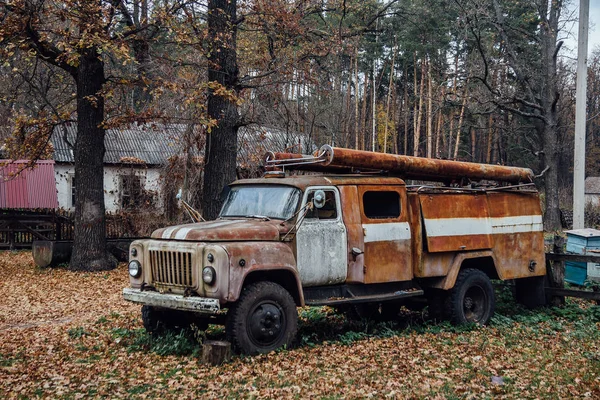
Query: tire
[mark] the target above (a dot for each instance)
(263, 319)
(471, 300)
(531, 292)
(160, 320)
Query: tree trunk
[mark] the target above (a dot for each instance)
(440, 122)
(549, 101)
(89, 244)
(365, 117)
(417, 138)
(221, 142)
(429, 113)
(460, 120)
(389, 99)
(356, 99)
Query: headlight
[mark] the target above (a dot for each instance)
(135, 268)
(208, 275)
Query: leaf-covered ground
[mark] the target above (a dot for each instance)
(70, 335)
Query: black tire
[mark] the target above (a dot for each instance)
(160, 320)
(471, 300)
(263, 319)
(531, 292)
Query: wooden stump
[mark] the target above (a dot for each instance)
(216, 352)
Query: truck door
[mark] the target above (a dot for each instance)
(387, 234)
(321, 248)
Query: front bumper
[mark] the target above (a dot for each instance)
(201, 305)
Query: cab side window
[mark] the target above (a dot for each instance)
(328, 211)
(381, 204)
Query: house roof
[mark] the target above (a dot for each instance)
(152, 144)
(592, 185)
(155, 143)
(31, 188)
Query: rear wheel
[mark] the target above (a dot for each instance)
(472, 298)
(263, 319)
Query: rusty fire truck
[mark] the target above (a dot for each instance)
(350, 234)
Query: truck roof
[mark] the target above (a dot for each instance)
(304, 181)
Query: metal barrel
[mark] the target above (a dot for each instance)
(422, 168)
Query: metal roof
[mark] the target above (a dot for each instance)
(31, 188)
(152, 144)
(155, 143)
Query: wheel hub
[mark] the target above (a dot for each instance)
(474, 304)
(265, 323)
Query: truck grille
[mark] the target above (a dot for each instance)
(173, 268)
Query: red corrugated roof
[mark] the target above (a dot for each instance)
(32, 188)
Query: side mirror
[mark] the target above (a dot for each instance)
(319, 199)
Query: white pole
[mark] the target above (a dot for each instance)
(580, 116)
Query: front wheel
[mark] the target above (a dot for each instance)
(472, 298)
(263, 319)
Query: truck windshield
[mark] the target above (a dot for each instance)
(277, 202)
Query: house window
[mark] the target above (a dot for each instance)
(381, 205)
(328, 211)
(73, 191)
(131, 191)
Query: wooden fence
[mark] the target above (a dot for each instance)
(18, 229)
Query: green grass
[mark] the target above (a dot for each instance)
(77, 333)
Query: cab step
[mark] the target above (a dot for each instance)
(355, 294)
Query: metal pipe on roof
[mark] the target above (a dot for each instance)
(410, 167)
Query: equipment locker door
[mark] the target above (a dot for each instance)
(387, 234)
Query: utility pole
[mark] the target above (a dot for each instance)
(580, 116)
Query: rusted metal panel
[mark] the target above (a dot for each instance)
(520, 254)
(352, 219)
(414, 220)
(223, 230)
(435, 264)
(260, 257)
(30, 188)
(387, 241)
(517, 233)
(456, 222)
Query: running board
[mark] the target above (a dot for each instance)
(335, 301)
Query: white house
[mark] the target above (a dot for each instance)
(132, 164)
(135, 156)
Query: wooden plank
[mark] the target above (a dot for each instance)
(572, 257)
(582, 294)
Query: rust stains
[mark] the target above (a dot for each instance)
(423, 168)
(224, 230)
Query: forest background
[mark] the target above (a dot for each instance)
(475, 80)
